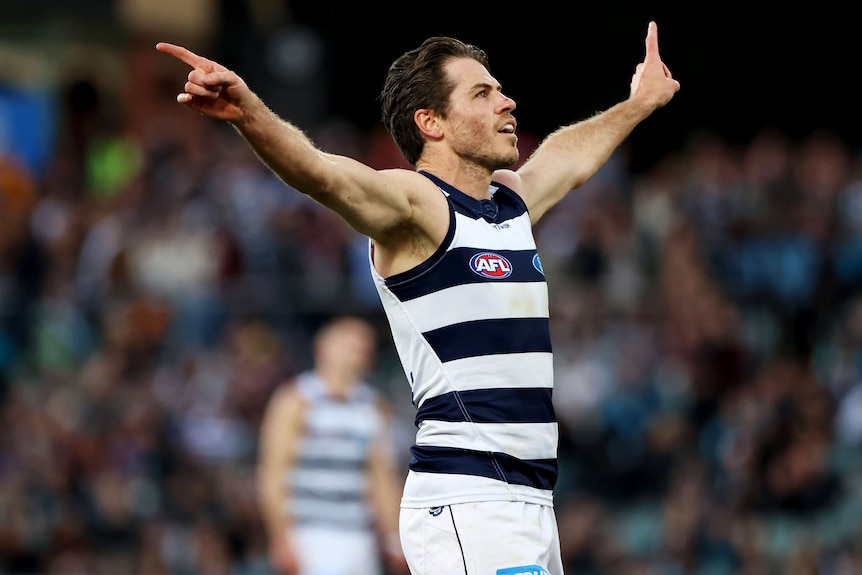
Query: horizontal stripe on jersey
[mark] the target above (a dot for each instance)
(478, 302)
(525, 405)
(346, 452)
(534, 473)
(455, 270)
(473, 373)
(522, 440)
(492, 336)
(323, 481)
(348, 515)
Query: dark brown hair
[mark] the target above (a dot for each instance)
(417, 80)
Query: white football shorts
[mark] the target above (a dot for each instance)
(486, 538)
(330, 551)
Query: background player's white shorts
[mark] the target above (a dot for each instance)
(488, 538)
(325, 551)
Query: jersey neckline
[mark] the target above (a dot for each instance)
(485, 209)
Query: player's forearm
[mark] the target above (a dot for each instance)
(273, 518)
(587, 145)
(386, 504)
(271, 498)
(283, 147)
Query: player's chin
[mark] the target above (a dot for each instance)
(511, 157)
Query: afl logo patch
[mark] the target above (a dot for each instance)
(491, 265)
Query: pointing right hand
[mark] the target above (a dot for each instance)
(211, 89)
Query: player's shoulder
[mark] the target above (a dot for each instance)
(420, 191)
(508, 178)
(409, 179)
(288, 395)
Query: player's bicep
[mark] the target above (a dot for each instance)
(544, 180)
(371, 201)
(281, 429)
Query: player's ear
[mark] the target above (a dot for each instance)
(428, 124)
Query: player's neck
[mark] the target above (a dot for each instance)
(338, 383)
(471, 179)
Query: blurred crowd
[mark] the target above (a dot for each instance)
(157, 283)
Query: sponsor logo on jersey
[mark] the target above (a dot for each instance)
(491, 265)
(523, 570)
(537, 263)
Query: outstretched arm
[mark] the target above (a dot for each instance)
(569, 156)
(370, 201)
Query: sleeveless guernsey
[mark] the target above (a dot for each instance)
(471, 328)
(328, 483)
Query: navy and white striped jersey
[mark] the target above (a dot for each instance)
(329, 481)
(471, 328)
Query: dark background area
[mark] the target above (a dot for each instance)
(742, 66)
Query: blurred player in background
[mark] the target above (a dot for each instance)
(328, 484)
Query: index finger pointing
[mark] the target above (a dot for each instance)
(652, 40)
(181, 53)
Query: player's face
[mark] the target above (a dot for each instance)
(480, 126)
(352, 345)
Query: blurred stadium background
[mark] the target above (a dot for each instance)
(156, 282)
